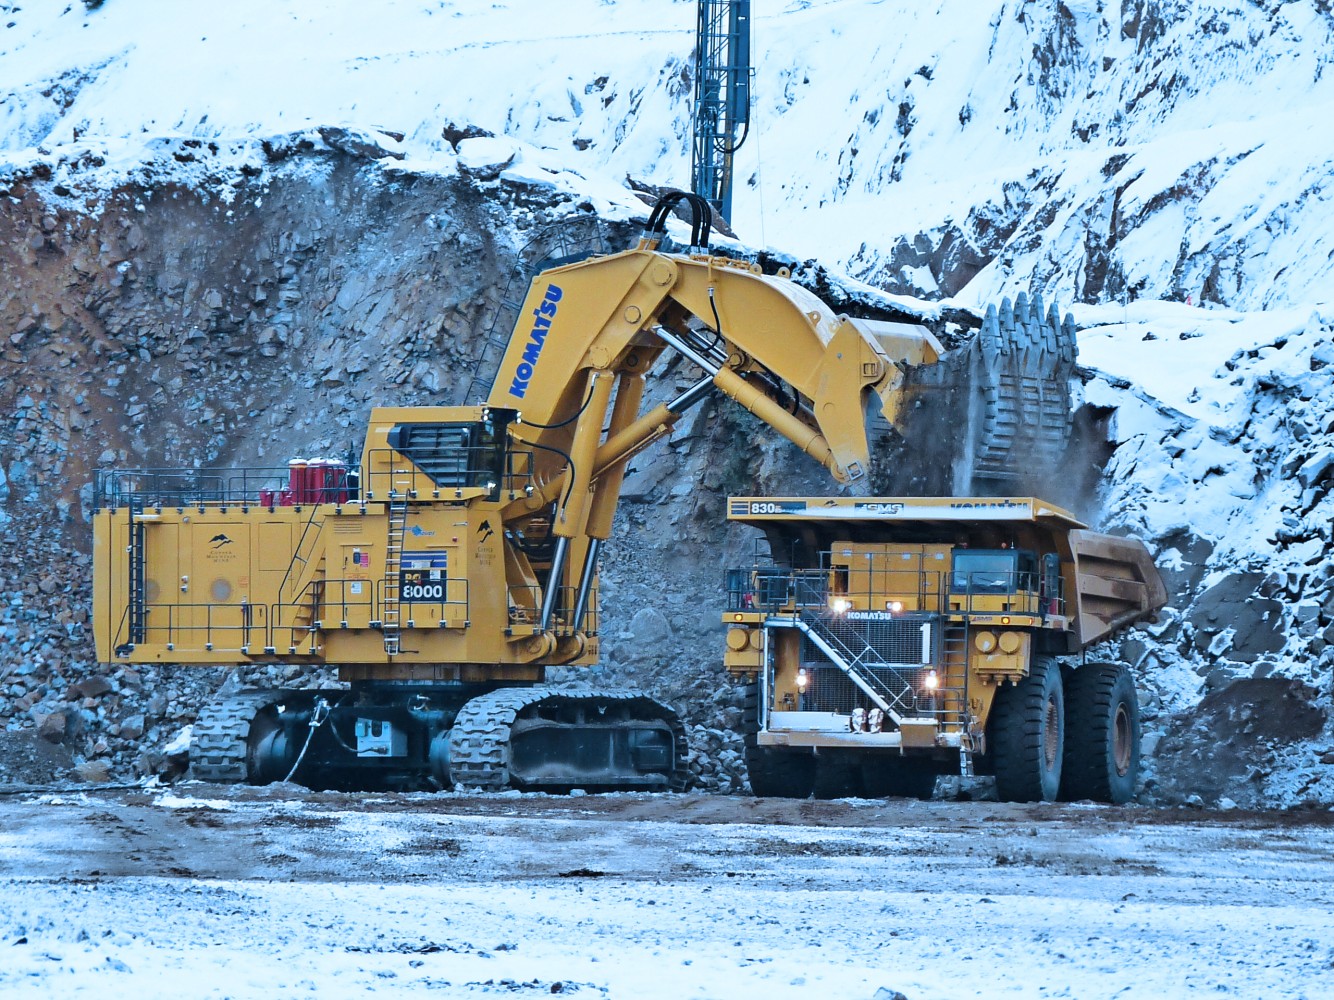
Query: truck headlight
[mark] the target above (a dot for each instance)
(802, 678)
(932, 681)
(841, 605)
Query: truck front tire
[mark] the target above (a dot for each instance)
(1028, 735)
(774, 773)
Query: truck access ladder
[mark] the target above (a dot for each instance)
(954, 660)
(860, 666)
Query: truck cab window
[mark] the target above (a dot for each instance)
(984, 571)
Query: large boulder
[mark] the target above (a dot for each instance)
(1232, 621)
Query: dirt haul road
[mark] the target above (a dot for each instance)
(206, 892)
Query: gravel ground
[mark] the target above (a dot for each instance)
(239, 892)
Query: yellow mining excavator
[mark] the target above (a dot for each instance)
(457, 561)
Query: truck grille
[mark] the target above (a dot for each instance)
(898, 651)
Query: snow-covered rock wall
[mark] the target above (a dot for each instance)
(218, 221)
(1106, 150)
(1099, 150)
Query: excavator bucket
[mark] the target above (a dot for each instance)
(993, 417)
(1019, 367)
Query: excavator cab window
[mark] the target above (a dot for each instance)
(456, 455)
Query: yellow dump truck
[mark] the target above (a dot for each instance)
(885, 641)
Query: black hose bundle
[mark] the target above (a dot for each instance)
(701, 216)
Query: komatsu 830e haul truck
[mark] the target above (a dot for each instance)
(885, 641)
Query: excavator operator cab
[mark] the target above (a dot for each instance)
(447, 453)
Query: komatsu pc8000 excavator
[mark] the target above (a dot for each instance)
(458, 561)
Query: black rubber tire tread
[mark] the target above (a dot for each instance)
(891, 776)
(838, 775)
(1093, 693)
(479, 741)
(1018, 735)
(750, 708)
(780, 774)
(773, 773)
(220, 737)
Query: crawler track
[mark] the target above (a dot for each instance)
(479, 752)
(219, 746)
(480, 741)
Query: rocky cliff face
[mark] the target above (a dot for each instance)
(243, 323)
(185, 281)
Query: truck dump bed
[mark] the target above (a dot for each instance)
(1116, 584)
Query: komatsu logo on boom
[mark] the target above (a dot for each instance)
(542, 317)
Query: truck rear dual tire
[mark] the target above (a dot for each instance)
(890, 776)
(1028, 735)
(1102, 737)
(774, 773)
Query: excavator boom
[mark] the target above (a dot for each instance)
(756, 336)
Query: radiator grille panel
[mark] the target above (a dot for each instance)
(907, 646)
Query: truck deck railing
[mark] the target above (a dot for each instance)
(772, 588)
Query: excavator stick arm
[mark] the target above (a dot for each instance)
(767, 343)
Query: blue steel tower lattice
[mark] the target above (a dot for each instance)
(722, 98)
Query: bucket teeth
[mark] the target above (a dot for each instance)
(1020, 366)
(996, 414)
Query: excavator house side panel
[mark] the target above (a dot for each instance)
(304, 583)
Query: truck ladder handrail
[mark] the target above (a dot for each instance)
(836, 658)
(869, 658)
